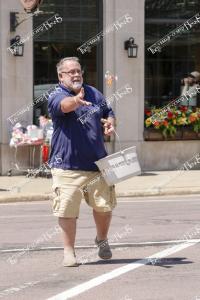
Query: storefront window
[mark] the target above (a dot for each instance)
(181, 56)
(82, 19)
(172, 69)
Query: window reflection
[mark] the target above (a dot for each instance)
(164, 71)
(82, 19)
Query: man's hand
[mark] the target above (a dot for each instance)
(108, 125)
(79, 98)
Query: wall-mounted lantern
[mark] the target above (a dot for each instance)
(131, 47)
(17, 47)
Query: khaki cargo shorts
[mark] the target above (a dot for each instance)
(71, 186)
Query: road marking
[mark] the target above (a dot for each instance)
(113, 246)
(81, 288)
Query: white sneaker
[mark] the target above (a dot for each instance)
(69, 258)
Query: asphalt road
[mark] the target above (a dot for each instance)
(174, 274)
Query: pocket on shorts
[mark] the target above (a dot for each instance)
(85, 194)
(113, 201)
(56, 200)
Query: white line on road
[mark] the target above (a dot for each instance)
(81, 288)
(113, 246)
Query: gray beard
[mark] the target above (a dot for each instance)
(77, 85)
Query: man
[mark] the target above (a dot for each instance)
(79, 144)
(190, 83)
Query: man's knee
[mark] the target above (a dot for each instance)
(102, 213)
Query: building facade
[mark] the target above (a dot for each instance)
(153, 78)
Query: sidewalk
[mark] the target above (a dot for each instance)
(20, 188)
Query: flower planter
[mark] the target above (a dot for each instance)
(177, 136)
(181, 120)
(189, 134)
(151, 134)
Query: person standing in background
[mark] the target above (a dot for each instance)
(188, 84)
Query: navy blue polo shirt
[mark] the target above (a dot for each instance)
(76, 144)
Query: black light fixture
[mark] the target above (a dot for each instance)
(17, 18)
(131, 47)
(16, 47)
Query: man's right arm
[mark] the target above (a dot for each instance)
(69, 104)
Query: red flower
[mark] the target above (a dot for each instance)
(156, 123)
(165, 123)
(170, 115)
(148, 112)
(183, 108)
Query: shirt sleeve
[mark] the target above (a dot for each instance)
(54, 105)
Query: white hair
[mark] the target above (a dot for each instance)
(59, 65)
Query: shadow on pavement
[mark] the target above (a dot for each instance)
(164, 262)
(170, 262)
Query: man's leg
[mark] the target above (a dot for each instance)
(102, 220)
(68, 226)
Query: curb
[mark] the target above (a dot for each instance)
(159, 192)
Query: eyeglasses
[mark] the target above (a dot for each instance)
(73, 72)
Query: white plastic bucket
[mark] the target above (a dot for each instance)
(119, 166)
